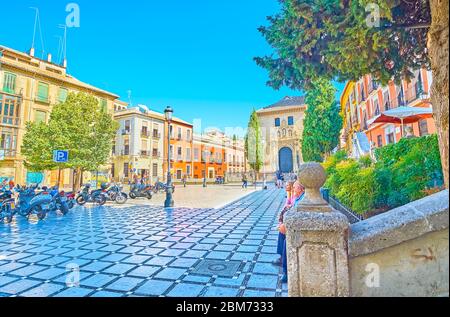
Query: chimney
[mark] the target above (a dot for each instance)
(49, 57)
(32, 52)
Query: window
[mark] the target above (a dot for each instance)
(188, 154)
(171, 152)
(155, 153)
(380, 141)
(179, 174)
(156, 133)
(290, 120)
(103, 105)
(188, 170)
(277, 122)
(40, 116)
(376, 107)
(42, 93)
(126, 149)
(387, 101)
(126, 169)
(390, 138)
(179, 153)
(127, 126)
(423, 127)
(113, 150)
(8, 143)
(9, 84)
(196, 155)
(155, 170)
(188, 135)
(62, 95)
(179, 133)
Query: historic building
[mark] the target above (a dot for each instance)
(209, 155)
(138, 151)
(364, 100)
(282, 128)
(236, 159)
(29, 88)
(181, 145)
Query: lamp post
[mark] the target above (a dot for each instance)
(169, 197)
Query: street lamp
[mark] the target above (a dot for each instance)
(169, 197)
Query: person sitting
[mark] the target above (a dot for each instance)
(295, 195)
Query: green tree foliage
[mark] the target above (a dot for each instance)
(78, 125)
(253, 143)
(341, 40)
(403, 172)
(322, 123)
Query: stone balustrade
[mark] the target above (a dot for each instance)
(403, 252)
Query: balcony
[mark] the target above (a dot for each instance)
(156, 135)
(10, 121)
(156, 154)
(145, 153)
(126, 132)
(145, 134)
(7, 153)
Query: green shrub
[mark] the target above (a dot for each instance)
(404, 172)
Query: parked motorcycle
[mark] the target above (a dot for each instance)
(59, 201)
(7, 206)
(138, 191)
(161, 187)
(30, 202)
(97, 196)
(115, 193)
(70, 199)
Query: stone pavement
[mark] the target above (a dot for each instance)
(146, 251)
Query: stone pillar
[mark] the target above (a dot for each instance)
(317, 242)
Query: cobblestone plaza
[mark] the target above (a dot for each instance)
(146, 251)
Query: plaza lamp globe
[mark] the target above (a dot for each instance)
(168, 203)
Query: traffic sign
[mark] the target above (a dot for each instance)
(60, 156)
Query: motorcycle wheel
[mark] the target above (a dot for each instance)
(9, 218)
(132, 195)
(80, 200)
(71, 204)
(120, 199)
(24, 213)
(149, 195)
(101, 200)
(64, 208)
(40, 213)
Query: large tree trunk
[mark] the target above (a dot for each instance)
(438, 52)
(77, 179)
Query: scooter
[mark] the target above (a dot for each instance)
(115, 193)
(138, 191)
(29, 202)
(7, 206)
(97, 196)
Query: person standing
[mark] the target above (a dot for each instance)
(244, 181)
(184, 180)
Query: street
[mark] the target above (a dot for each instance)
(146, 251)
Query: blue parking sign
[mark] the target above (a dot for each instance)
(60, 156)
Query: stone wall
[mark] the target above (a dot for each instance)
(403, 252)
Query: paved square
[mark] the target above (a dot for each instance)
(146, 251)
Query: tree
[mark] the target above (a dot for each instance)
(78, 125)
(253, 143)
(345, 40)
(322, 123)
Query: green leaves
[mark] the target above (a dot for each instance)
(322, 123)
(253, 143)
(332, 39)
(77, 125)
(403, 173)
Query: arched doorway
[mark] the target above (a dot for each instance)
(286, 160)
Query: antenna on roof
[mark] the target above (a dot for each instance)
(63, 52)
(129, 98)
(37, 23)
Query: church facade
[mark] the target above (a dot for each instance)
(282, 128)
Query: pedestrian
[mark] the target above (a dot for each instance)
(11, 184)
(294, 194)
(244, 181)
(184, 180)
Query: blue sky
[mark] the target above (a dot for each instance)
(195, 55)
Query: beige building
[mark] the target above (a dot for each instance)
(139, 146)
(29, 88)
(282, 128)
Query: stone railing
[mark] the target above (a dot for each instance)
(403, 252)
